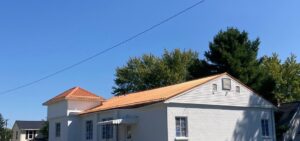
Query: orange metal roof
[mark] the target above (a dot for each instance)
(75, 93)
(150, 96)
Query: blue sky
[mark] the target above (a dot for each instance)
(40, 37)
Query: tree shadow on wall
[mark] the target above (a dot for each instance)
(248, 128)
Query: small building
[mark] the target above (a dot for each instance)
(289, 121)
(213, 108)
(27, 130)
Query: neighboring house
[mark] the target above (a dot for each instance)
(289, 119)
(27, 130)
(214, 108)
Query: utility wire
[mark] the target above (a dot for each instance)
(103, 51)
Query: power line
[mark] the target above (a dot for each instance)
(103, 51)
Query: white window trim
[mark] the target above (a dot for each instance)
(214, 86)
(237, 89)
(181, 138)
(224, 80)
(264, 136)
(187, 130)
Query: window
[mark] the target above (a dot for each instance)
(128, 134)
(226, 84)
(107, 130)
(215, 87)
(89, 130)
(237, 89)
(30, 134)
(17, 135)
(265, 127)
(181, 126)
(57, 130)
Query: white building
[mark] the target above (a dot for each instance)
(214, 108)
(27, 130)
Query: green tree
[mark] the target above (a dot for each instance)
(286, 77)
(271, 67)
(150, 72)
(5, 133)
(45, 130)
(232, 51)
(291, 79)
(2, 126)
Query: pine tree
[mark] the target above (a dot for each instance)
(232, 51)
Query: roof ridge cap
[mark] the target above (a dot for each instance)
(72, 92)
(133, 93)
(89, 92)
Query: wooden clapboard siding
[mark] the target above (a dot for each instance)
(204, 95)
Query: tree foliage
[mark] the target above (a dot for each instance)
(2, 125)
(150, 71)
(286, 77)
(45, 130)
(232, 51)
(5, 133)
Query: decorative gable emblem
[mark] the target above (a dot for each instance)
(226, 84)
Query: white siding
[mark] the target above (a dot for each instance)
(58, 109)
(57, 113)
(14, 130)
(70, 129)
(64, 132)
(79, 106)
(21, 134)
(151, 124)
(93, 118)
(204, 95)
(221, 116)
(65, 113)
(209, 123)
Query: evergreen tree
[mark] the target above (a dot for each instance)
(232, 51)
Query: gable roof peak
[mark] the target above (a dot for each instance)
(74, 93)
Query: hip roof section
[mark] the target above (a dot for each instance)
(75, 93)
